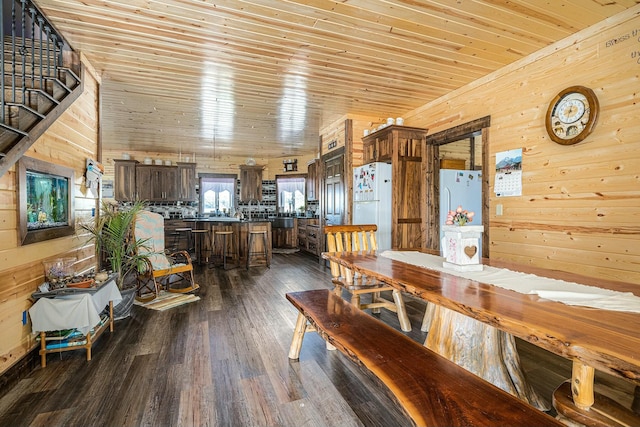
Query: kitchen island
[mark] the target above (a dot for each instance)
(239, 240)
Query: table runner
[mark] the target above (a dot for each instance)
(569, 293)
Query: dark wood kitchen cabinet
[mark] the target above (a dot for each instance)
(154, 183)
(124, 180)
(285, 237)
(251, 183)
(187, 182)
(308, 235)
(157, 183)
(381, 145)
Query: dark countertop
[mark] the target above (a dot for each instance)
(277, 222)
(226, 220)
(212, 219)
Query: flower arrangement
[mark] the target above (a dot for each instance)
(459, 217)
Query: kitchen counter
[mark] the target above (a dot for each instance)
(240, 230)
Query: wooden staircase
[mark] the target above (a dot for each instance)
(40, 79)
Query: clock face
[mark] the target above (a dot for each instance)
(572, 108)
(572, 115)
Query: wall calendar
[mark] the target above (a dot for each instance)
(508, 181)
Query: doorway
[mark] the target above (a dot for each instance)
(462, 147)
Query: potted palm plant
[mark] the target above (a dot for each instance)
(112, 233)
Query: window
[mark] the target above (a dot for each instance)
(217, 193)
(291, 193)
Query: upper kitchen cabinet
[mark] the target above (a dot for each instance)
(125, 180)
(157, 183)
(187, 182)
(312, 180)
(154, 183)
(250, 183)
(380, 145)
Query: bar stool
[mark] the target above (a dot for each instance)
(224, 234)
(182, 232)
(173, 238)
(251, 251)
(200, 237)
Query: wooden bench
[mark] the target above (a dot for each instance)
(430, 389)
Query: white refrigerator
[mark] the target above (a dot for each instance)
(460, 188)
(372, 199)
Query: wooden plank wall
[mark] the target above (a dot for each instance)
(69, 142)
(580, 206)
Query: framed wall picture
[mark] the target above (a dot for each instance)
(290, 165)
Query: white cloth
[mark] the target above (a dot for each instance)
(109, 292)
(569, 293)
(80, 311)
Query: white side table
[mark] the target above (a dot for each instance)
(78, 310)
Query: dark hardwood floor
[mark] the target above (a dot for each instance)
(222, 361)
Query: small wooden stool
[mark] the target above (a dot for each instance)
(223, 250)
(199, 237)
(251, 251)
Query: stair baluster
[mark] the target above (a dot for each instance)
(33, 64)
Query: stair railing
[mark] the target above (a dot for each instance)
(31, 36)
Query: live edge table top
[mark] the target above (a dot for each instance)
(606, 340)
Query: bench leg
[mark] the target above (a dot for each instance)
(428, 316)
(405, 324)
(298, 335)
(301, 328)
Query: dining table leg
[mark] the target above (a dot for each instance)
(635, 405)
(483, 350)
(577, 403)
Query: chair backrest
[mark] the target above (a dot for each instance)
(149, 226)
(349, 238)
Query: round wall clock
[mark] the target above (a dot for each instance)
(572, 115)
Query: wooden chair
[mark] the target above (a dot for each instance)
(173, 271)
(355, 238)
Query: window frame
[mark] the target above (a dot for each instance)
(304, 177)
(204, 177)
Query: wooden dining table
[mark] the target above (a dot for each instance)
(593, 339)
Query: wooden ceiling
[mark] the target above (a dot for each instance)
(258, 78)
